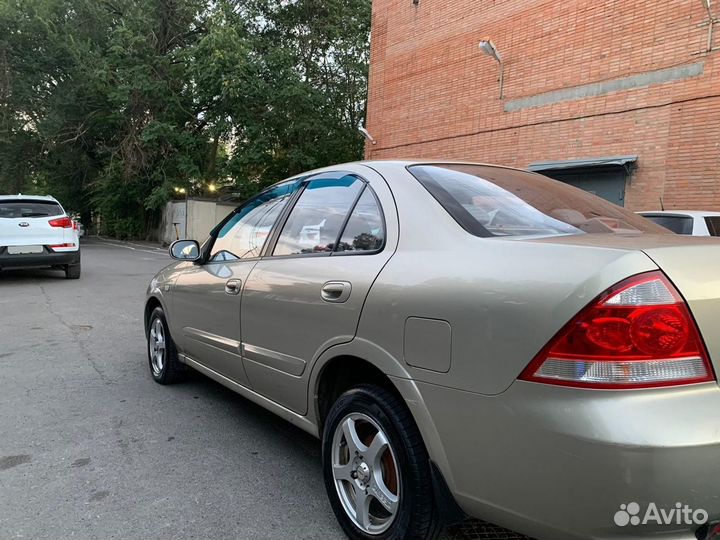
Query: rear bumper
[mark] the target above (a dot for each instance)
(558, 463)
(38, 260)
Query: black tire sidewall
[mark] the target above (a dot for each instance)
(365, 400)
(73, 271)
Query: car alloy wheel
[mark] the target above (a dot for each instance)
(366, 473)
(157, 346)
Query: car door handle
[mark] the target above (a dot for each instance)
(336, 291)
(233, 286)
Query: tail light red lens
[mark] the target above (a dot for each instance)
(638, 334)
(62, 223)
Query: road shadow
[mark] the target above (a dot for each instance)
(249, 414)
(14, 277)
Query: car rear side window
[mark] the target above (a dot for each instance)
(365, 230)
(497, 201)
(315, 222)
(713, 225)
(10, 209)
(676, 224)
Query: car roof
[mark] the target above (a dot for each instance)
(418, 161)
(380, 164)
(21, 197)
(689, 213)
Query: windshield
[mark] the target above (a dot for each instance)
(494, 201)
(29, 208)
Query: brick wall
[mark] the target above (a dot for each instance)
(433, 94)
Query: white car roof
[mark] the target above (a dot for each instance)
(21, 197)
(689, 213)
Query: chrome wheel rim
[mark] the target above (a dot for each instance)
(366, 474)
(157, 345)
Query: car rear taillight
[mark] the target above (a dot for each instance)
(638, 334)
(63, 223)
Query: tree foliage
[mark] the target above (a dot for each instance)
(112, 104)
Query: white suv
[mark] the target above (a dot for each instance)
(690, 222)
(35, 232)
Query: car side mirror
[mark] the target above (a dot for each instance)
(185, 250)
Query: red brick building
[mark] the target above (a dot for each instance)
(621, 97)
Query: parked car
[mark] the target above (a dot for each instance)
(691, 222)
(465, 339)
(35, 232)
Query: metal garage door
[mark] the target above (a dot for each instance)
(608, 184)
(605, 177)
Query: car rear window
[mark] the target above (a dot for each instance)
(676, 224)
(713, 225)
(495, 201)
(29, 208)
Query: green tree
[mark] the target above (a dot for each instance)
(111, 104)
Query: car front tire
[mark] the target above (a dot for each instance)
(376, 468)
(165, 367)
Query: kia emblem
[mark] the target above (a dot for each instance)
(24, 224)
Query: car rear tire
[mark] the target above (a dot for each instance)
(165, 367)
(72, 271)
(376, 468)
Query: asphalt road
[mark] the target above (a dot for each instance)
(91, 447)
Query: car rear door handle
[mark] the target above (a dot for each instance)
(336, 292)
(233, 286)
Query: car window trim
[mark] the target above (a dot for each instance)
(275, 236)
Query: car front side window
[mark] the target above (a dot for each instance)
(244, 234)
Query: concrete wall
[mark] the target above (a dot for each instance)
(583, 79)
(202, 216)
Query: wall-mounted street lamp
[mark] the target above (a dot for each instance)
(488, 47)
(366, 133)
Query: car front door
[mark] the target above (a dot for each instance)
(307, 293)
(206, 297)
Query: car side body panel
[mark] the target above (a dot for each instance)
(503, 298)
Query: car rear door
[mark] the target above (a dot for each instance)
(307, 293)
(27, 225)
